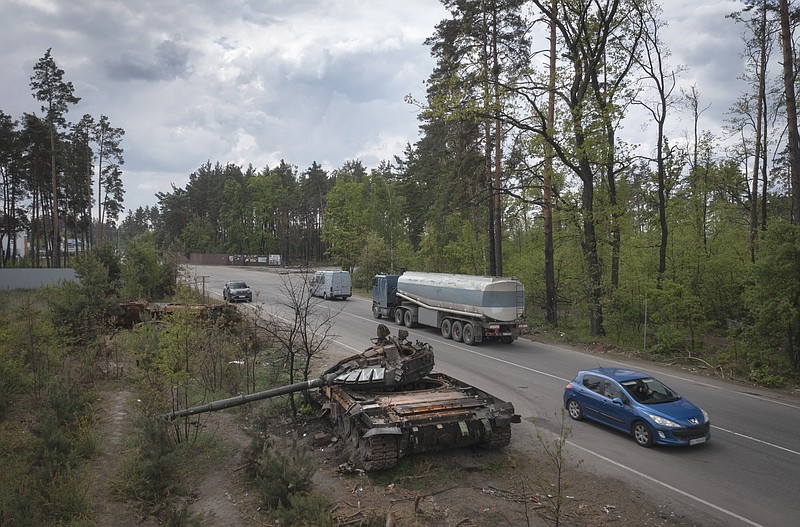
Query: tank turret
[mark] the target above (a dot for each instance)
(390, 363)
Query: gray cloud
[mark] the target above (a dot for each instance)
(168, 61)
(257, 81)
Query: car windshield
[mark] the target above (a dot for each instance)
(238, 285)
(649, 391)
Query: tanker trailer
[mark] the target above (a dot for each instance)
(464, 308)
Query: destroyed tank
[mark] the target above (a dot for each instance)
(386, 403)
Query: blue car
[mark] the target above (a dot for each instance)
(637, 404)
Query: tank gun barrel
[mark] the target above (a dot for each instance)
(244, 399)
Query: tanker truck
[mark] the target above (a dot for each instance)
(465, 308)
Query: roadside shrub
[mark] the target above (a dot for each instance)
(306, 510)
(277, 474)
(149, 475)
(668, 341)
(63, 431)
(767, 376)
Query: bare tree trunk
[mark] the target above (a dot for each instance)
(490, 216)
(498, 155)
(53, 171)
(762, 67)
(549, 264)
(791, 109)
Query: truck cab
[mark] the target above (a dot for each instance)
(384, 294)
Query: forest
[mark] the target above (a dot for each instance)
(688, 249)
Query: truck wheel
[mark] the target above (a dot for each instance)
(398, 316)
(507, 340)
(468, 334)
(447, 328)
(407, 321)
(376, 311)
(457, 331)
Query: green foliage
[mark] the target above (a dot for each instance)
(305, 510)
(345, 222)
(674, 311)
(767, 376)
(146, 274)
(150, 472)
(63, 429)
(43, 480)
(377, 256)
(181, 517)
(277, 473)
(87, 308)
(15, 376)
(199, 237)
(774, 299)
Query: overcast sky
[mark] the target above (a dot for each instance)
(257, 81)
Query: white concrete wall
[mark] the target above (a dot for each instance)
(34, 278)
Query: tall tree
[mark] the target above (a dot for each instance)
(590, 32)
(793, 139)
(12, 190)
(109, 182)
(551, 305)
(345, 225)
(77, 179)
(479, 52)
(56, 96)
(662, 80)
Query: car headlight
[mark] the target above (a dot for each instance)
(705, 415)
(661, 421)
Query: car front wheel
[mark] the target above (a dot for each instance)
(642, 434)
(574, 409)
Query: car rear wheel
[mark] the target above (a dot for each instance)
(642, 434)
(574, 409)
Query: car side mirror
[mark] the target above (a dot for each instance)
(618, 400)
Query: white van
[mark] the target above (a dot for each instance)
(332, 284)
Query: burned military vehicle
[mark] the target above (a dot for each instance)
(387, 402)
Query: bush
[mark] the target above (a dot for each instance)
(150, 474)
(277, 474)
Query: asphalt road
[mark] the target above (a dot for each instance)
(749, 474)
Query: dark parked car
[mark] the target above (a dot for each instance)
(237, 291)
(637, 404)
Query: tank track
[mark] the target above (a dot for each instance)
(381, 452)
(501, 437)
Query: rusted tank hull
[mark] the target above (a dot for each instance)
(439, 413)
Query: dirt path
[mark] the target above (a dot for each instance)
(222, 497)
(219, 497)
(112, 409)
